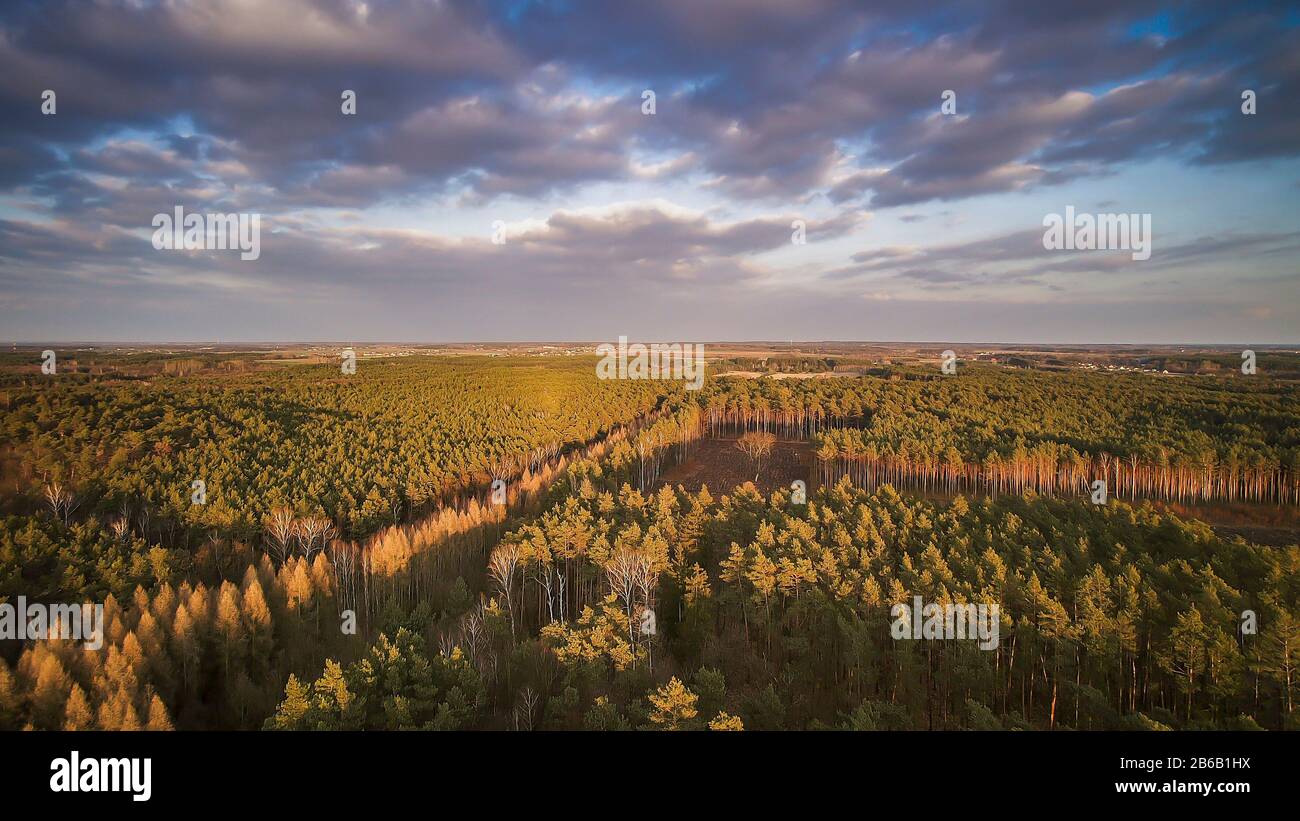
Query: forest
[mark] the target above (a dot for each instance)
(1006, 430)
(110, 465)
(353, 569)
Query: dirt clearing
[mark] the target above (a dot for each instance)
(718, 464)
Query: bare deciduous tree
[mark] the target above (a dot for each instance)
(120, 527)
(343, 558)
(473, 631)
(542, 454)
(502, 467)
(62, 501)
(312, 529)
(629, 572)
(503, 565)
(757, 447)
(446, 645)
(281, 528)
(525, 709)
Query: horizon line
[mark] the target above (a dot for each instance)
(593, 342)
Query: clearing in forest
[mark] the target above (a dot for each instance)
(720, 465)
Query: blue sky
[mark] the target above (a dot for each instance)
(378, 226)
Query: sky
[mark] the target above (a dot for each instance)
(528, 123)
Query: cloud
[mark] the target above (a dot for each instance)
(776, 100)
(1019, 259)
(765, 111)
(653, 243)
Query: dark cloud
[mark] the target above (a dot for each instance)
(766, 97)
(771, 106)
(571, 251)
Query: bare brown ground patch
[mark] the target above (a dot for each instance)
(718, 464)
(843, 374)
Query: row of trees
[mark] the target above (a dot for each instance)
(1009, 430)
(1056, 468)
